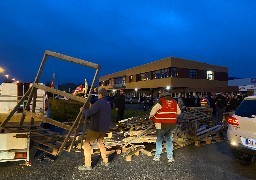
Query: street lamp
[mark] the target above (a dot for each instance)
(136, 89)
(7, 76)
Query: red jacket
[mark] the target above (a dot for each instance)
(168, 113)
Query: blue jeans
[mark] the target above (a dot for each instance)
(161, 134)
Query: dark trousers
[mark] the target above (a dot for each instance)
(219, 112)
(120, 115)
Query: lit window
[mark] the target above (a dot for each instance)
(210, 75)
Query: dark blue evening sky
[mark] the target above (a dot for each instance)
(120, 34)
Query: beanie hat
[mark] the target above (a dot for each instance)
(165, 93)
(103, 92)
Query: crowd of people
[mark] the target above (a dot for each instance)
(220, 102)
(164, 113)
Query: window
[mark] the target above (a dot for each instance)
(130, 78)
(148, 75)
(193, 73)
(173, 72)
(164, 73)
(123, 82)
(111, 82)
(246, 108)
(210, 75)
(143, 77)
(119, 82)
(154, 75)
(157, 74)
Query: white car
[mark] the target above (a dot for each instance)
(241, 133)
(60, 97)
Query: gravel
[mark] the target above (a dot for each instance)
(212, 161)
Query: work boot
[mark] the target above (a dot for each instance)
(170, 160)
(84, 168)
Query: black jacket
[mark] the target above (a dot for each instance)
(120, 102)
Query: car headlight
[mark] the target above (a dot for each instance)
(233, 143)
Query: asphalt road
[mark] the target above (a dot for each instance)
(213, 161)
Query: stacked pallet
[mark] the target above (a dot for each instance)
(137, 135)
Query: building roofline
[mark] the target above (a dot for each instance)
(169, 57)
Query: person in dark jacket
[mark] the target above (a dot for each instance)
(120, 105)
(221, 104)
(100, 113)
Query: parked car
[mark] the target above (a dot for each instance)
(61, 97)
(241, 133)
(93, 98)
(132, 100)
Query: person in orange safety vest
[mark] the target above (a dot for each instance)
(164, 114)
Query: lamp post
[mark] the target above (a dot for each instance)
(7, 76)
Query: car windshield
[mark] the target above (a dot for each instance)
(246, 109)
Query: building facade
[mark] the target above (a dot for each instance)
(178, 75)
(245, 85)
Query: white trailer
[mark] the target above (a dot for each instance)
(14, 144)
(14, 147)
(11, 93)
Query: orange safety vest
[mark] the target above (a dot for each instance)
(168, 113)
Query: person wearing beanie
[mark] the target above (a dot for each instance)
(100, 113)
(164, 114)
(120, 105)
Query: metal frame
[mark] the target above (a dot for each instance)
(31, 94)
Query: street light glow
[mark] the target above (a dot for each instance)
(1, 69)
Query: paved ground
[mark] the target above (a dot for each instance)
(212, 161)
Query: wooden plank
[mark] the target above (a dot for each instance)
(48, 120)
(72, 59)
(46, 151)
(143, 151)
(128, 158)
(53, 146)
(62, 93)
